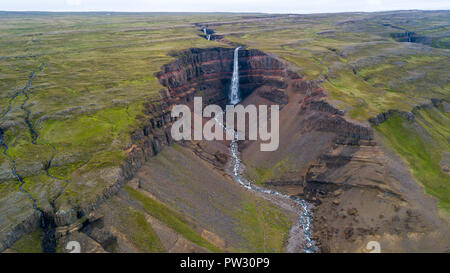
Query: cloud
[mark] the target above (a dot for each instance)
(374, 2)
(278, 6)
(73, 2)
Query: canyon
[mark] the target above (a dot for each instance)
(340, 165)
(146, 192)
(333, 150)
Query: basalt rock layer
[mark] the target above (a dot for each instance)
(382, 117)
(323, 156)
(68, 215)
(361, 191)
(196, 72)
(144, 143)
(207, 73)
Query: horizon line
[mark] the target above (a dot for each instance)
(231, 12)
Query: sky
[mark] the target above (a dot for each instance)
(267, 6)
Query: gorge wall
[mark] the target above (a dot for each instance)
(68, 216)
(335, 161)
(196, 72)
(207, 73)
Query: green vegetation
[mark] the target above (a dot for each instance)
(364, 71)
(255, 225)
(97, 70)
(263, 226)
(96, 74)
(421, 144)
(172, 218)
(93, 72)
(260, 175)
(141, 233)
(29, 243)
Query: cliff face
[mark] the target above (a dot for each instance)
(144, 143)
(361, 192)
(412, 37)
(196, 72)
(382, 117)
(329, 159)
(67, 217)
(331, 119)
(207, 73)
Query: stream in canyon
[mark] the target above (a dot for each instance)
(301, 232)
(208, 36)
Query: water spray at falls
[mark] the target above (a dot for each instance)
(234, 91)
(208, 36)
(303, 226)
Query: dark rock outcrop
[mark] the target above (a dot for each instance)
(145, 143)
(412, 37)
(348, 132)
(207, 73)
(28, 225)
(273, 94)
(384, 116)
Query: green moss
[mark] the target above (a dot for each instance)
(43, 188)
(263, 225)
(95, 138)
(104, 159)
(259, 175)
(171, 218)
(86, 101)
(360, 98)
(421, 145)
(29, 243)
(28, 155)
(140, 232)
(85, 131)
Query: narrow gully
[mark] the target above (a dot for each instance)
(25, 90)
(10, 105)
(47, 224)
(47, 168)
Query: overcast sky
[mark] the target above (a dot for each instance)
(270, 6)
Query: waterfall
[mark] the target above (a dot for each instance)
(304, 218)
(207, 36)
(234, 90)
(408, 34)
